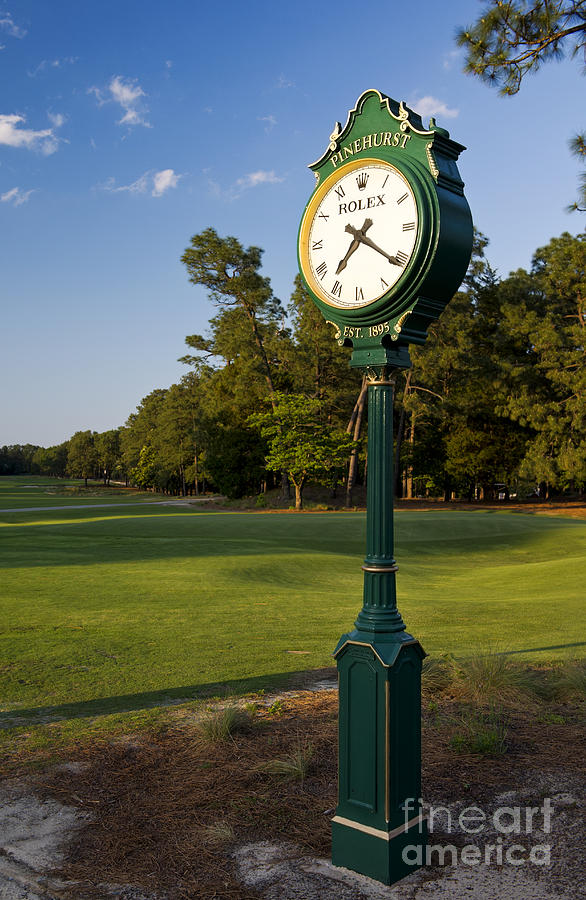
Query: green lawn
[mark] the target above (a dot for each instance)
(119, 608)
(21, 492)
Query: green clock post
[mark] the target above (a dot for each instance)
(384, 243)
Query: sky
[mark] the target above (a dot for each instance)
(127, 127)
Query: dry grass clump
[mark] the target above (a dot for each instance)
(485, 677)
(221, 724)
(561, 683)
(294, 766)
(218, 833)
(489, 677)
(437, 673)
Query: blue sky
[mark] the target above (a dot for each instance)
(127, 127)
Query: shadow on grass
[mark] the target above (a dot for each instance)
(149, 699)
(539, 649)
(167, 697)
(78, 538)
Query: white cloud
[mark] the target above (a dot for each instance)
(284, 82)
(15, 196)
(164, 180)
(52, 64)
(129, 95)
(13, 135)
(451, 58)
(431, 106)
(58, 119)
(155, 182)
(140, 186)
(270, 120)
(8, 25)
(253, 179)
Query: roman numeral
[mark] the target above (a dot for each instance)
(321, 270)
(337, 288)
(385, 181)
(383, 283)
(409, 226)
(317, 245)
(359, 293)
(323, 215)
(401, 257)
(404, 197)
(340, 192)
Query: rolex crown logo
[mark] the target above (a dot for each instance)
(361, 181)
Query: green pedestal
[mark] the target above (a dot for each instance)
(379, 665)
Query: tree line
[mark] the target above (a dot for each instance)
(493, 403)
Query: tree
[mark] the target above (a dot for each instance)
(300, 443)
(17, 459)
(140, 428)
(52, 460)
(245, 297)
(459, 435)
(546, 378)
(109, 452)
(145, 472)
(82, 456)
(514, 37)
(320, 368)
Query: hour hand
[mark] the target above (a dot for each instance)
(358, 233)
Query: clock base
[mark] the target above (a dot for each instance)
(380, 856)
(379, 829)
(372, 356)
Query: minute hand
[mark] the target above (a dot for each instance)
(359, 236)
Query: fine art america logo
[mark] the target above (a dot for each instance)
(499, 828)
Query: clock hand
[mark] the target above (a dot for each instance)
(359, 236)
(354, 245)
(344, 262)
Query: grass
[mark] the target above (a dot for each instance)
(480, 735)
(106, 610)
(22, 492)
(295, 765)
(222, 724)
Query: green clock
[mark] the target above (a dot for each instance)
(386, 236)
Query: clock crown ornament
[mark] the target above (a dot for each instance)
(386, 237)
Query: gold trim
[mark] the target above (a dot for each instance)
(374, 379)
(364, 644)
(377, 569)
(378, 832)
(402, 119)
(431, 161)
(334, 137)
(307, 221)
(387, 750)
(338, 334)
(361, 644)
(400, 322)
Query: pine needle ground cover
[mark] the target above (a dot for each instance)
(104, 610)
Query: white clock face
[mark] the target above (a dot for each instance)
(359, 234)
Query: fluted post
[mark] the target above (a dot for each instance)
(379, 613)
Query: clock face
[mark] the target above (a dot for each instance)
(358, 234)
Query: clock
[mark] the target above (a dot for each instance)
(359, 234)
(386, 235)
